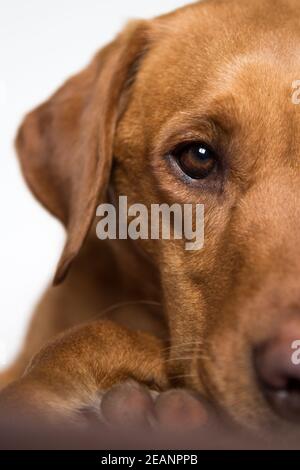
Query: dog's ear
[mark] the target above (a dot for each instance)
(65, 145)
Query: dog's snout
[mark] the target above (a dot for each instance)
(279, 372)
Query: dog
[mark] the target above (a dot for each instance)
(194, 106)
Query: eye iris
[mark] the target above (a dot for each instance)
(196, 160)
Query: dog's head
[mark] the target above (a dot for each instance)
(196, 107)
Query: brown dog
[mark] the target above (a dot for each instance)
(215, 76)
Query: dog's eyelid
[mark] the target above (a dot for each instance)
(186, 128)
(169, 144)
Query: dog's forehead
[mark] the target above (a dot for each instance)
(221, 51)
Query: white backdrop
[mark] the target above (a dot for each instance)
(41, 44)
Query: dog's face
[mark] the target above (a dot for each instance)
(208, 84)
(207, 117)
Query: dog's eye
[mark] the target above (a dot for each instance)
(196, 160)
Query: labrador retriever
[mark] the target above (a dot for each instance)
(195, 106)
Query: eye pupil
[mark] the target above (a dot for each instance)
(196, 160)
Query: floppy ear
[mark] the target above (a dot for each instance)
(65, 145)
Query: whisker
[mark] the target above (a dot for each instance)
(199, 355)
(183, 345)
(183, 358)
(183, 376)
(113, 307)
(189, 343)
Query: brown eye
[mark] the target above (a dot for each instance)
(196, 160)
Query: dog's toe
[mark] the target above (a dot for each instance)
(132, 404)
(181, 410)
(128, 404)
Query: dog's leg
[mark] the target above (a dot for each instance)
(71, 372)
(58, 310)
(95, 283)
(76, 375)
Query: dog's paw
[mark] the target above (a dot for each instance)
(177, 410)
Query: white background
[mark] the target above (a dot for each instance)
(41, 44)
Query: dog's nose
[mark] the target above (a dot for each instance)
(278, 368)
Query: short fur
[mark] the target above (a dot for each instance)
(215, 70)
